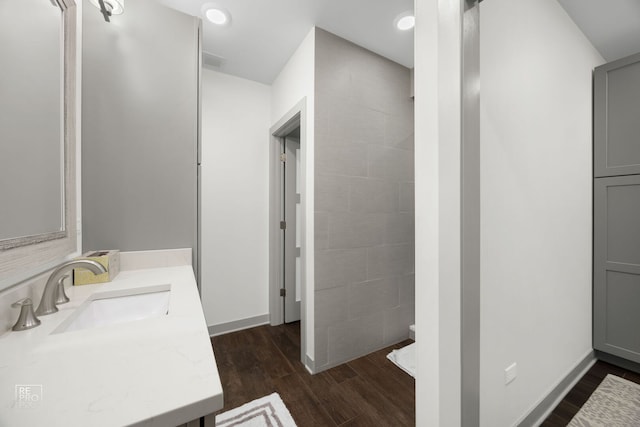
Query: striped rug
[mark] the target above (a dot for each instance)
(615, 403)
(268, 411)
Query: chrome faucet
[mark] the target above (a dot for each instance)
(50, 294)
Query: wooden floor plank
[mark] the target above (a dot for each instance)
(632, 376)
(288, 346)
(303, 405)
(365, 392)
(341, 373)
(330, 395)
(375, 405)
(385, 380)
(269, 356)
(362, 420)
(380, 359)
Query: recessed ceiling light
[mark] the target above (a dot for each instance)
(218, 16)
(405, 22)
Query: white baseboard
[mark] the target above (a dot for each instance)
(238, 325)
(309, 364)
(544, 408)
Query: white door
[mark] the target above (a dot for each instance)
(291, 200)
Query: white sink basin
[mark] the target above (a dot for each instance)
(127, 305)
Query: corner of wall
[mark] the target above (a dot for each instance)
(296, 81)
(364, 211)
(79, 8)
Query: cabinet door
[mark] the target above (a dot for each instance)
(617, 117)
(616, 323)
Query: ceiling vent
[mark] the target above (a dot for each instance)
(212, 61)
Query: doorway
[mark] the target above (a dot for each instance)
(288, 296)
(290, 289)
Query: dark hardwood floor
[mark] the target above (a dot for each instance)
(579, 394)
(369, 391)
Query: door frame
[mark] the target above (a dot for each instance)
(295, 117)
(291, 189)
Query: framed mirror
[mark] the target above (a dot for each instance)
(38, 132)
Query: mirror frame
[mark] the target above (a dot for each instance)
(24, 257)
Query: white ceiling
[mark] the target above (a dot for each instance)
(612, 26)
(263, 34)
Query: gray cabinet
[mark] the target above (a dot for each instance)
(617, 118)
(616, 209)
(617, 266)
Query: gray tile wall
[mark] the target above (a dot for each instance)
(364, 202)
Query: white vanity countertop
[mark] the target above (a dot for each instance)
(152, 372)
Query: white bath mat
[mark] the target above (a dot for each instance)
(268, 411)
(405, 359)
(615, 403)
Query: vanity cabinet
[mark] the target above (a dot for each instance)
(616, 209)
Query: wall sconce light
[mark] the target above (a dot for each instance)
(109, 7)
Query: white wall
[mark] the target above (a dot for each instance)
(426, 201)
(295, 82)
(536, 202)
(235, 198)
(437, 208)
